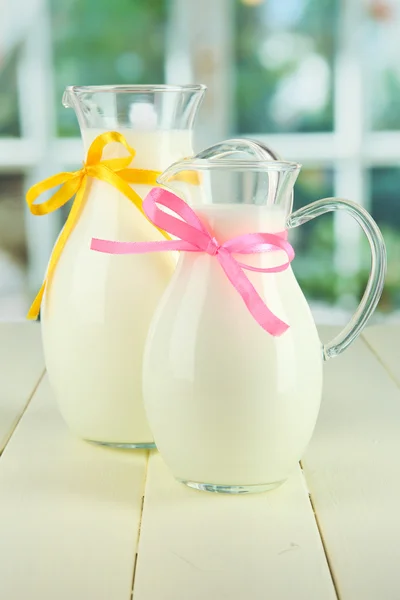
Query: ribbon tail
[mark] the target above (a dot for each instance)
(34, 310)
(58, 248)
(255, 304)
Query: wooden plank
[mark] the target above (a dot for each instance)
(384, 341)
(69, 512)
(199, 545)
(352, 468)
(21, 367)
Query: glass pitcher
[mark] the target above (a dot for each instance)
(94, 315)
(231, 406)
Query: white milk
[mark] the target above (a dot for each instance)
(228, 403)
(98, 307)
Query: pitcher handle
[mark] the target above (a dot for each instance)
(376, 278)
(253, 148)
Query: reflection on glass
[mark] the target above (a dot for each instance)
(122, 43)
(9, 121)
(284, 57)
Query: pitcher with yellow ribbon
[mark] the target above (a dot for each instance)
(95, 309)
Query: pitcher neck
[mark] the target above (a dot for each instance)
(227, 221)
(160, 116)
(138, 107)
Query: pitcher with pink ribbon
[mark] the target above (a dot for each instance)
(232, 376)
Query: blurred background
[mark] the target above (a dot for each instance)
(317, 80)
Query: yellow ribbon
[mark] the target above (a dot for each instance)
(114, 171)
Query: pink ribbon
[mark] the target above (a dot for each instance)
(194, 237)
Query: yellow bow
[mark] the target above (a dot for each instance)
(113, 171)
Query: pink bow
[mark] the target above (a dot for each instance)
(194, 237)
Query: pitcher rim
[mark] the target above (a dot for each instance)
(136, 88)
(200, 164)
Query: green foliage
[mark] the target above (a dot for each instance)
(123, 42)
(387, 113)
(313, 265)
(315, 271)
(106, 42)
(9, 118)
(257, 84)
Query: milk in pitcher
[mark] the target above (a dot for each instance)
(241, 402)
(97, 309)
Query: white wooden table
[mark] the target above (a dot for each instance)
(81, 522)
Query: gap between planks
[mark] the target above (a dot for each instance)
(326, 553)
(140, 523)
(380, 360)
(317, 523)
(18, 420)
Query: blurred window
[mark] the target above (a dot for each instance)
(131, 51)
(284, 58)
(9, 117)
(13, 297)
(317, 80)
(385, 208)
(382, 58)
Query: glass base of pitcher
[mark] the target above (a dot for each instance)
(232, 489)
(126, 446)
